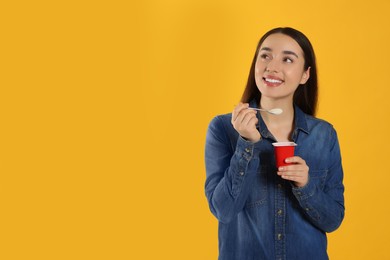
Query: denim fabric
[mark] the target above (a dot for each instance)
(262, 216)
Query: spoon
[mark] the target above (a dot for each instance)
(274, 111)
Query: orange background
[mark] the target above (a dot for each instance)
(105, 106)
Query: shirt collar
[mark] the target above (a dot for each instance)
(300, 122)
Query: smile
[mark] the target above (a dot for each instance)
(272, 82)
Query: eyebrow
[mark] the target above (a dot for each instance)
(285, 52)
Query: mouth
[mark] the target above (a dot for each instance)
(272, 82)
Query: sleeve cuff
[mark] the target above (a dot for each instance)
(302, 193)
(247, 148)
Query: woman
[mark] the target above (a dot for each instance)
(266, 212)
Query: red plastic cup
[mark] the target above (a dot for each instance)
(283, 150)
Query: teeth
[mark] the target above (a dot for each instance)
(273, 80)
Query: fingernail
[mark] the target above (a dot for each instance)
(281, 169)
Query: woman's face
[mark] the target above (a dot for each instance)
(279, 67)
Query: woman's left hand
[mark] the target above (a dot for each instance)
(297, 171)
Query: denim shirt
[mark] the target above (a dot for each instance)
(262, 216)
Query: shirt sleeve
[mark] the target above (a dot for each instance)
(229, 171)
(325, 207)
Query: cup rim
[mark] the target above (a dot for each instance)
(284, 144)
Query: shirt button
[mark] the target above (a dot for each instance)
(242, 173)
(279, 236)
(280, 212)
(247, 150)
(307, 209)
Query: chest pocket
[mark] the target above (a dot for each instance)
(258, 195)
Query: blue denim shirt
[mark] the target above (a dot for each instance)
(262, 216)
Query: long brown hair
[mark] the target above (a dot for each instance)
(306, 95)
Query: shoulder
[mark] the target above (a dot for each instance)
(221, 120)
(221, 123)
(315, 121)
(221, 127)
(320, 126)
(311, 124)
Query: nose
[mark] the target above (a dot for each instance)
(273, 66)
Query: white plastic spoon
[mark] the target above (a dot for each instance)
(274, 111)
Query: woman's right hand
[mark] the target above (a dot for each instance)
(244, 120)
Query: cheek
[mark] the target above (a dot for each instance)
(259, 81)
(259, 69)
(295, 75)
(258, 75)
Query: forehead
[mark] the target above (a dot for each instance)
(279, 42)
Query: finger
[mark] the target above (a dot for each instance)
(292, 178)
(254, 120)
(302, 173)
(237, 110)
(294, 159)
(291, 168)
(248, 116)
(292, 173)
(297, 165)
(241, 117)
(289, 177)
(234, 113)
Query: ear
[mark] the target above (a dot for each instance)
(305, 76)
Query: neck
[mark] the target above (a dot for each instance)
(286, 116)
(281, 125)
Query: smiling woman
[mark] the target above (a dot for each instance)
(292, 50)
(279, 71)
(265, 211)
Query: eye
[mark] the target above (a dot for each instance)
(288, 60)
(265, 56)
